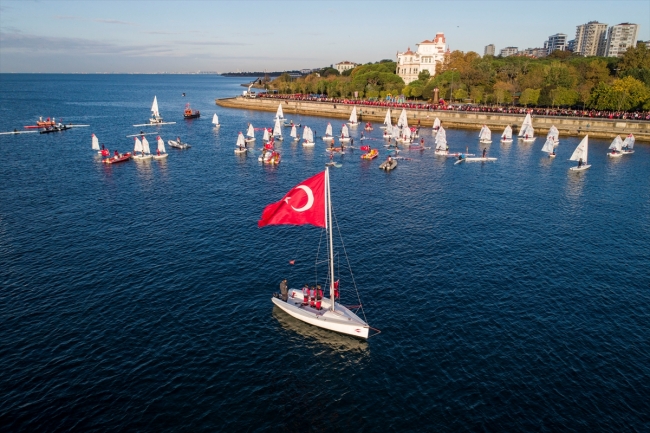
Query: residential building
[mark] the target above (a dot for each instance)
(534, 52)
(489, 50)
(571, 45)
(591, 39)
(619, 38)
(425, 57)
(556, 42)
(508, 51)
(344, 66)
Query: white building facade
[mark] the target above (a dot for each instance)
(591, 39)
(428, 53)
(489, 50)
(556, 42)
(509, 51)
(344, 66)
(619, 38)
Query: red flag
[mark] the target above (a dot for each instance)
(304, 204)
(366, 148)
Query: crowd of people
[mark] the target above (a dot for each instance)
(560, 112)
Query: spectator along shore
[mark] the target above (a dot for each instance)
(569, 122)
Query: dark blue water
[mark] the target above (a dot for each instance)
(511, 296)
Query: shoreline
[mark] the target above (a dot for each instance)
(578, 127)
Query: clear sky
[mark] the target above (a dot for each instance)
(171, 36)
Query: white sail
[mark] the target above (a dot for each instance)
(486, 134)
(240, 140)
(279, 114)
(480, 133)
(406, 133)
(436, 123)
(402, 122)
(553, 132)
(527, 132)
(395, 133)
(265, 137)
(154, 107)
(353, 115)
(215, 119)
(549, 146)
(441, 139)
(277, 129)
(137, 147)
(387, 120)
(344, 131)
(307, 134)
(581, 151)
(251, 131)
(293, 132)
(161, 145)
(617, 144)
(527, 122)
(145, 145)
(629, 142)
(95, 143)
(507, 133)
(328, 130)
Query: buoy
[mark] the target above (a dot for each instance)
(291, 262)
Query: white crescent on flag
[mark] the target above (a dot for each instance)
(310, 199)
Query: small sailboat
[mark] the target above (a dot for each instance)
(277, 131)
(354, 122)
(549, 147)
(215, 120)
(250, 133)
(506, 137)
(402, 122)
(240, 145)
(485, 135)
(580, 155)
(616, 148)
(405, 135)
(95, 146)
(279, 115)
(294, 133)
(266, 136)
(308, 137)
(441, 142)
(387, 121)
(528, 121)
(528, 135)
(161, 153)
(345, 134)
(143, 148)
(156, 118)
(436, 124)
(328, 133)
(628, 145)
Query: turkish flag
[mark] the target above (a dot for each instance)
(304, 204)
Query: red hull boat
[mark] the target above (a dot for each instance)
(119, 158)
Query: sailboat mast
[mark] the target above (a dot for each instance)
(329, 227)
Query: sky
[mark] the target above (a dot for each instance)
(229, 36)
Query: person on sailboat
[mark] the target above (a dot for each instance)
(422, 141)
(312, 297)
(484, 151)
(305, 295)
(283, 290)
(319, 297)
(362, 137)
(579, 162)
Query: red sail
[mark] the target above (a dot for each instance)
(304, 204)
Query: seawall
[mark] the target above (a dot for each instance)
(572, 126)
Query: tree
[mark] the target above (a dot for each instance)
(424, 76)
(562, 96)
(460, 94)
(503, 92)
(476, 94)
(629, 93)
(529, 97)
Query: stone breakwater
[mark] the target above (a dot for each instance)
(571, 126)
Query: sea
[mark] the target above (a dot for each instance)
(510, 296)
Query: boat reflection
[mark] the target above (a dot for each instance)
(336, 341)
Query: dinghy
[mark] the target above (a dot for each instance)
(528, 121)
(345, 134)
(372, 154)
(616, 148)
(279, 115)
(120, 157)
(389, 164)
(485, 135)
(308, 137)
(250, 134)
(215, 121)
(161, 152)
(294, 134)
(405, 136)
(56, 128)
(506, 137)
(266, 136)
(178, 144)
(326, 312)
(436, 124)
(241, 144)
(387, 122)
(402, 122)
(95, 146)
(441, 142)
(328, 133)
(353, 118)
(528, 134)
(628, 145)
(269, 157)
(277, 131)
(143, 148)
(156, 118)
(580, 155)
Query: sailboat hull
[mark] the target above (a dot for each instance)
(615, 155)
(161, 156)
(581, 168)
(509, 140)
(341, 320)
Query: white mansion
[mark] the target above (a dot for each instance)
(410, 64)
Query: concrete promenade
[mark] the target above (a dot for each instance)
(568, 126)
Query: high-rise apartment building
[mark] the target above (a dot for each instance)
(556, 42)
(619, 38)
(591, 39)
(489, 50)
(508, 51)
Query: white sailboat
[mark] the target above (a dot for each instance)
(353, 118)
(240, 146)
(308, 137)
(485, 136)
(616, 148)
(265, 136)
(95, 144)
(294, 133)
(528, 121)
(441, 142)
(405, 135)
(506, 137)
(402, 122)
(580, 155)
(139, 146)
(549, 147)
(628, 144)
(387, 121)
(436, 124)
(328, 133)
(277, 130)
(279, 115)
(528, 134)
(156, 118)
(332, 315)
(161, 154)
(250, 134)
(215, 121)
(345, 134)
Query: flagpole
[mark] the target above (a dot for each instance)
(329, 225)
